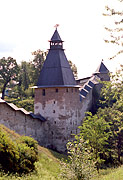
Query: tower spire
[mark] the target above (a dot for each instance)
(57, 25)
(56, 41)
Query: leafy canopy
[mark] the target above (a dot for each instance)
(8, 71)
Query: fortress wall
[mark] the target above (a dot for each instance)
(86, 104)
(21, 123)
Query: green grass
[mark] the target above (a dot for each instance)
(110, 174)
(47, 168)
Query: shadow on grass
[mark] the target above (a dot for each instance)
(59, 156)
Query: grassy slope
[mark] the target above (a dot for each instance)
(48, 166)
(111, 174)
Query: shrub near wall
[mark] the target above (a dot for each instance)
(27, 104)
(9, 154)
(17, 156)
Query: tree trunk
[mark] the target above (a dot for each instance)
(3, 90)
(119, 147)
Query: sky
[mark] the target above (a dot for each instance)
(27, 25)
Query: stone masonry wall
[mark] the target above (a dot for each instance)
(21, 123)
(64, 113)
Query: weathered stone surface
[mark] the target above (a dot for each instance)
(21, 123)
(64, 113)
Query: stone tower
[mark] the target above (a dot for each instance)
(57, 97)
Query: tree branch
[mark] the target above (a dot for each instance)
(119, 52)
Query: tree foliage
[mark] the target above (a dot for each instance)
(94, 131)
(116, 33)
(112, 91)
(8, 72)
(104, 130)
(28, 74)
(74, 69)
(17, 156)
(23, 76)
(80, 164)
(36, 64)
(27, 104)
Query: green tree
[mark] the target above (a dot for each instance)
(93, 130)
(112, 90)
(25, 74)
(23, 77)
(8, 71)
(113, 148)
(80, 164)
(36, 65)
(104, 130)
(112, 100)
(104, 134)
(22, 89)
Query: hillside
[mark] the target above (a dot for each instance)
(48, 166)
(111, 174)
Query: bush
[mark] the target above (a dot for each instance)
(27, 104)
(28, 153)
(17, 156)
(80, 164)
(9, 154)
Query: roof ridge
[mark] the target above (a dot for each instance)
(61, 69)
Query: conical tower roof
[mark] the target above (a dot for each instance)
(56, 36)
(101, 68)
(56, 71)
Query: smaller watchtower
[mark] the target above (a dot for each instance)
(104, 75)
(57, 97)
(102, 72)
